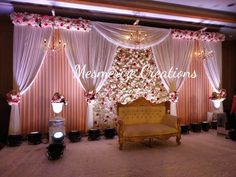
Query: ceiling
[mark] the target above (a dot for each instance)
(215, 15)
(219, 5)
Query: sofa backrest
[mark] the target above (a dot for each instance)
(142, 111)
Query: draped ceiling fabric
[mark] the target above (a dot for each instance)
(28, 56)
(119, 34)
(213, 64)
(175, 55)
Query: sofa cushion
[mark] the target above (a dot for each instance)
(142, 114)
(147, 130)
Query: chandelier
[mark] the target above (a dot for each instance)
(202, 52)
(55, 42)
(137, 37)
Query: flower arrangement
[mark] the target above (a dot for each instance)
(37, 20)
(58, 98)
(90, 96)
(13, 97)
(197, 35)
(127, 88)
(173, 97)
(221, 94)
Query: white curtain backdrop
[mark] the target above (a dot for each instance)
(119, 34)
(173, 54)
(28, 56)
(213, 64)
(95, 53)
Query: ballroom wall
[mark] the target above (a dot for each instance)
(229, 71)
(6, 43)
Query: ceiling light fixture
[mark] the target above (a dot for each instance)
(138, 36)
(202, 52)
(54, 45)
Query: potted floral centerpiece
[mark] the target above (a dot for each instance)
(58, 101)
(218, 97)
(13, 97)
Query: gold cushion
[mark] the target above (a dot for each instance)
(148, 130)
(142, 114)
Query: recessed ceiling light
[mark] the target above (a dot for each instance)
(230, 5)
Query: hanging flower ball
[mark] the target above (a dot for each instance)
(173, 97)
(13, 97)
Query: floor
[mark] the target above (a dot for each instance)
(204, 154)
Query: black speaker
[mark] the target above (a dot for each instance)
(232, 134)
(34, 138)
(184, 129)
(109, 133)
(196, 127)
(205, 126)
(74, 136)
(94, 134)
(14, 140)
(55, 151)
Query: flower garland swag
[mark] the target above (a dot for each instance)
(37, 20)
(13, 97)
(197, 35)
(133, 78)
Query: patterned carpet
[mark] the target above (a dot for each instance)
(200, 155)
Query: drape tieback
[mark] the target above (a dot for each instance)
(13, 97)
(173, 97)
(90, 96)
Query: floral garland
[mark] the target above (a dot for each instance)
(128, 88)
(37, 20)
(173, 97)
(13, 97)
(197, 35)
(221, 94)
(90, 96)
(58, 98)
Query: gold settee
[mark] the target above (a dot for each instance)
(142, 119)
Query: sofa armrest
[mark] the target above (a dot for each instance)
(120, 126)
(172, 121)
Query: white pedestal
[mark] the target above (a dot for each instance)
(221, 122)
(57, 124)
(209, 116)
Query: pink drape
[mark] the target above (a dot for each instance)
(193, 103)
(35, 108)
